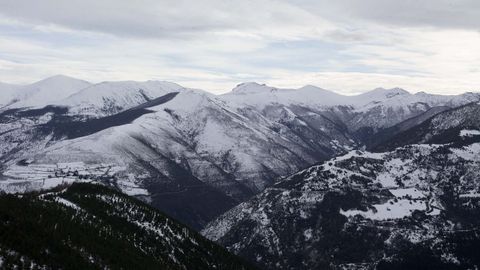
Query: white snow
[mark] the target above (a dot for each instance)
(35, 176)
(67, 203)
(307, 234)
(469, 133)
(131, 188)
(7, 93)
(389, 210)
(471, 152)
(470, 195)
(414, 193)
(109, 97)
(254, 94)
(400, 100)
(47, 91)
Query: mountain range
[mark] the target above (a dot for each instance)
(413, 207)
(285, 178)
(195, 155)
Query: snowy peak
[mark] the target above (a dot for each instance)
(47, 91)
(252, 87)
(68, 84)
(7, 92)
(108, 98)
(386, 93)
(61, 79)
(316, 92)
(310, 87)
(261, 95)
(7, 86)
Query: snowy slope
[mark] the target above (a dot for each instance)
(440, 128)
(108, 98)
(260, 95)
(370, 205)
(46, 92)
(194, 141)
(199, 151)
(7, 93)
(379, 108)
(363, 210)
(383, 108)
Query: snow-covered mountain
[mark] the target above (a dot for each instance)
(193, 154)
(440, 128)
(377, 109)
(260, 96)
(7, 93)
(416, 207)
(84, 98)
(383, 108)
(45, 92)
(190, 143)
(108, 98)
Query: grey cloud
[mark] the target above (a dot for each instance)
(167, 18)
(147, 18)
(342, 35)
(154, 18)
(459, 14)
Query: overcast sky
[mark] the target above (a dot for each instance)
(348, 46)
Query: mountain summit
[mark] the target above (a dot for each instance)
(46, 91)
(252, 87)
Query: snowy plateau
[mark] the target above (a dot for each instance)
(285, 178)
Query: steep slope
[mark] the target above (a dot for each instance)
(193, 155)
(7, 92)
(384, 108)
(413, 208)
(109, 98)
(46, 92)
(383, 135)
(362, 114)
(89, 226)
(443, 127)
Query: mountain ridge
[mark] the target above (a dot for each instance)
(197, 141)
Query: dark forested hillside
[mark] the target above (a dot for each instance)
(87, 226)
(450, 126)
(417, 207)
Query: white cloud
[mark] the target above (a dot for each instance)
(215, 44)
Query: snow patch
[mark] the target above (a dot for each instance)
(389, 210)
(469, 133)
(414, 193)
(470, 152)
(67, 203)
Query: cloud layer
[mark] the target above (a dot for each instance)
(346, 45)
